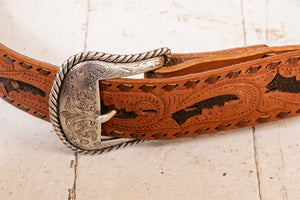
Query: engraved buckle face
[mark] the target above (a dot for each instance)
(74, 103)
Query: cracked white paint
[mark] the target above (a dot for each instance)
(236, 164)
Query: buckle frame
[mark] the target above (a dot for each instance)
(74, 101)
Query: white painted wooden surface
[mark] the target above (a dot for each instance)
(239, 164)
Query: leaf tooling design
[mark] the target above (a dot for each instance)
(284, 84)
(182, 115)
(17, 86)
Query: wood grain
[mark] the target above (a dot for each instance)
(249, 163)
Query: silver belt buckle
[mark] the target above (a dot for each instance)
(74, 103)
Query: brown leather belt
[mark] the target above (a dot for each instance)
(191, 94)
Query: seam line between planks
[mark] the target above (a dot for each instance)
(256, 162)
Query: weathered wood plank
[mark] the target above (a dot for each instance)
(219, 166)
(34, 163)
(277, 144)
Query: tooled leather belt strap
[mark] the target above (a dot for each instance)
(182, 95)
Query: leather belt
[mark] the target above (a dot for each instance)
(182, 95)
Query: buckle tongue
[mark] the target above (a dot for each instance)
(74, 103)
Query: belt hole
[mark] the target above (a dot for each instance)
(292, 60)
(212, 79)
(222, 127)
(269, 55)
(159, 135)
(43, 72)
(147, 88)
(191, 84)
(25, 66)
(180, 133)
(104, 85)
(233, 100)
(233, 74)
(116, 133)
(137, 135)
(253, 69)
(271, 91)
(190, 108)
(149, 112)
(283, 114)
(201, 130)
(273, 65)
(8, 99)
(263, 119)
(8, 59)
(298, 111)
(39, 115)
(22, 107)
(125, 87)
(169, 87)
(14, 83)
(243, 123)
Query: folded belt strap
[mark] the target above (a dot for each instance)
(192, 94)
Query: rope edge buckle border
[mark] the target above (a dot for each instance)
(112, 66)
